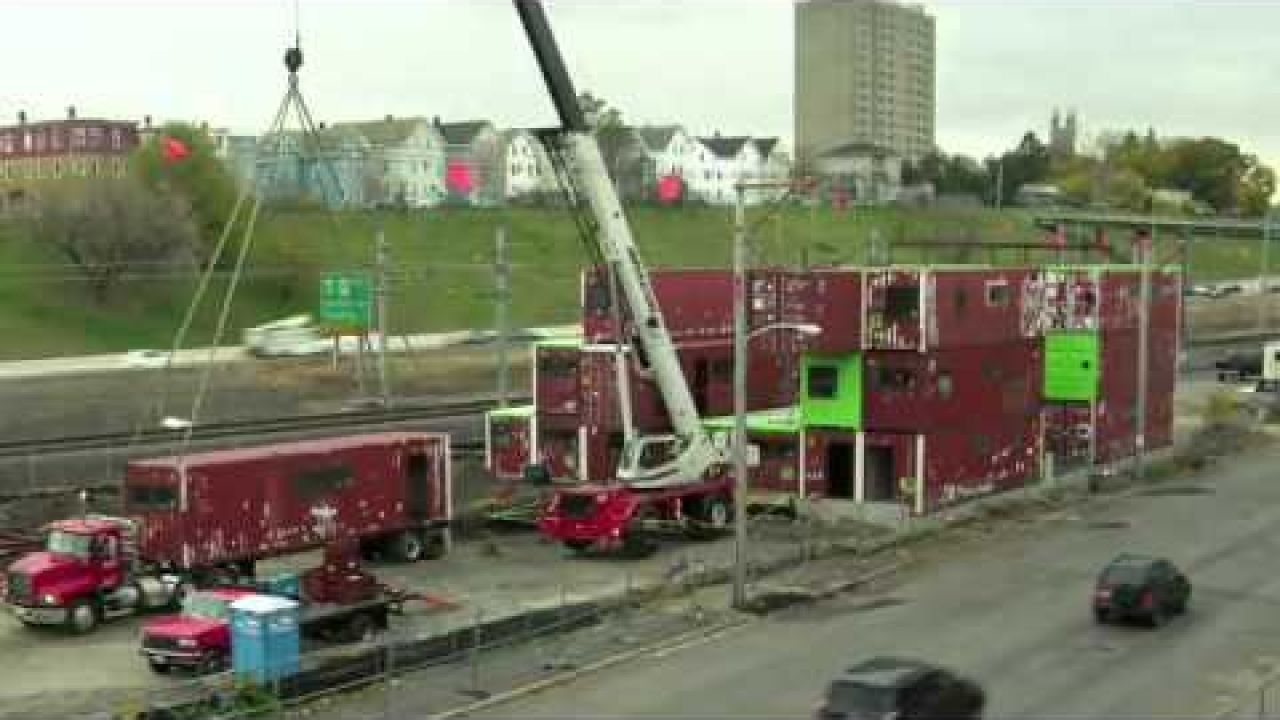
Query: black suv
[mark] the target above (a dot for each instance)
(900, 689)
(1140, 586)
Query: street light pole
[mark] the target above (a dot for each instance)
(740, 488)
(1145, 242)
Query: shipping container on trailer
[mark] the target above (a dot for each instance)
(206, 518)
(229, 506)
(509, 440)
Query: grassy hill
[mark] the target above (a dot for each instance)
(443, 277)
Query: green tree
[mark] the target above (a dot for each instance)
(109, 228)
(1029, 162)
(1257, 185)
(949, 174)
(200, 177)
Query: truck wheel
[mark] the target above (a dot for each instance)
(711, 519)
(360, 628)
(180, 593)
(408, 547)
(82, 617)
(210, 663)
(637, 540)
(434, 546)
(578, 546)
(159, 667)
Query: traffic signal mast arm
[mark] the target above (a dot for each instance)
(692, 451)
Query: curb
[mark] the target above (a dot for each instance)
(591, 668)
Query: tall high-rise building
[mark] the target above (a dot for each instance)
(864, 74)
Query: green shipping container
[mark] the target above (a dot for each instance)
(831, 391)
(1072, 365)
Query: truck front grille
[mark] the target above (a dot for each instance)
(18, 588)
(577, 507)
(159, 642)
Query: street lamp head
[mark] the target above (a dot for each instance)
(808, 329)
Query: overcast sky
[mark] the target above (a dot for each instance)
(1185, 67)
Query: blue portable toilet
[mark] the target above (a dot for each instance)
(287, 585)
(266, 642)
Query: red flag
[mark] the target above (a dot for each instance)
(175, 149)
(457, 177)
(669, 188)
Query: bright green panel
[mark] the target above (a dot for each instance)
(777, 421)
(516, 411)
(831, 391)
(1072, 364)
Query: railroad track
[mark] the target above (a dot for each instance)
(353, 420)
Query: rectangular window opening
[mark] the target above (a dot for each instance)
(901, 302)
(824, 381)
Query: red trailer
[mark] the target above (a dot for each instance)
(207, 517)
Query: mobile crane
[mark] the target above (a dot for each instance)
(661, 479)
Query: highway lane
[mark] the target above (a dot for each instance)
(1013, 612)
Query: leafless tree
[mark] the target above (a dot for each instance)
(112, 227)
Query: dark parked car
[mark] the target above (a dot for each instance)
(1141, 587)
(1239, 365)
(901, 689)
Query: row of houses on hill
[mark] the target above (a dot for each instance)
(419, 162)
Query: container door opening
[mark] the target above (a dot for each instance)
(878, 466)
(418, 495)
(840, 470)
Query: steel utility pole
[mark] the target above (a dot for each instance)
(502, 275)
(1264, 290)
(741, 485)
(380, 261)
(1145, 241)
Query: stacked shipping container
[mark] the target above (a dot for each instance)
(887, 395)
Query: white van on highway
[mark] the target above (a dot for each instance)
(291, 337)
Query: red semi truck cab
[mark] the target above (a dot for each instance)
(83, 575)
(198, 638)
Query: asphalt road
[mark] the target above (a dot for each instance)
(1012, 611)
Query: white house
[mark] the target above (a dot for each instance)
(527, 169)
(775, 162)
(722, 162)
(860, 172)
(671, 150)
(403, 163)
(474, 173)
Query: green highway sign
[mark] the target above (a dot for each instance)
(345, 300)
